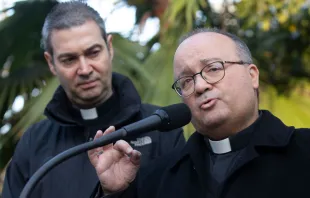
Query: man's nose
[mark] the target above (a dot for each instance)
(201, 85)
(85, 68)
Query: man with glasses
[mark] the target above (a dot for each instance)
(237, 151)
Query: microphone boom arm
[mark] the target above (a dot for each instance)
(145, 125)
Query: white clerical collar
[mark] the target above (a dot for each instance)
(221, 146)
(89, 114)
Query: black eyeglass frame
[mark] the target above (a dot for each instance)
(193, 76)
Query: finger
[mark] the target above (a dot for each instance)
(99, 134)
(135, 157)
(123, 147)
(106, 132)
(109, 130)
(92, 154)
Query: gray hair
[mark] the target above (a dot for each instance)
(66, 15)
(242, 49)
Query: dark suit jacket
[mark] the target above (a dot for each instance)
(276, 163)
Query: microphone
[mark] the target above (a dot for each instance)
(164, 119)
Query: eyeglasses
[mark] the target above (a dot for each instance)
(211, 73)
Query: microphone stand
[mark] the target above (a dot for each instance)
(38, 175)
(151, 123)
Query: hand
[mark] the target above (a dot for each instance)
(116, 165)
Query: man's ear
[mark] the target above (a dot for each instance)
(254, 73)
(110, 45)
(49, 59)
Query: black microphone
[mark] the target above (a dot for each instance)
(164, 119)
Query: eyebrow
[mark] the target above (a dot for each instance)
(184, 71)
(76, 54)
(209, 60)
(93, 47)
(204, 61)
(64, 55)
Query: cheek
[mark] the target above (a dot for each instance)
(103, 67)
(67, 76)
(190, 103)
(236, 91)
(195, 111)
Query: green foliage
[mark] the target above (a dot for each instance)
(180, 18)
(22, 68)
(20, 52)
(280, 39)
(293, 110)
(127, 60)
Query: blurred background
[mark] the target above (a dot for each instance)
(146, 33)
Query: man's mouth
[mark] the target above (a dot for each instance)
(208, 103)
(88, 84)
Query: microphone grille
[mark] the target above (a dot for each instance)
(175, 116)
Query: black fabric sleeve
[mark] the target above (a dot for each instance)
(171, 140)
(17, 173)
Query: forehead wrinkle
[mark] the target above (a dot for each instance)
(186, 70)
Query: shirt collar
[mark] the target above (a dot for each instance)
(233, 143)
(269, 132)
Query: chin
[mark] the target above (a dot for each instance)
(91, 93)
(90, 96)
(211, 120)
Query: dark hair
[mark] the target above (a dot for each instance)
(242, 49)
(66, 15)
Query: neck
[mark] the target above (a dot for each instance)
(89, 104)
(92, 112)
(228, 129)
